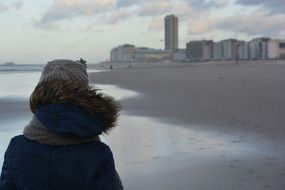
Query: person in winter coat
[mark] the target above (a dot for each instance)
(60, 148)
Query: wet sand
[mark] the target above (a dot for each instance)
(248, 96)
(241, 106)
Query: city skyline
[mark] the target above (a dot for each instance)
(37, 31)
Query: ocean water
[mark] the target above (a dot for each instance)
(20, 84)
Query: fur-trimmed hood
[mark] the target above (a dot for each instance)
(73, 121)
(69, 120)
(73, 96)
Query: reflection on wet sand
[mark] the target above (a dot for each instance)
(149, 153)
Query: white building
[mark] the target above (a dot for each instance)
(130, 53)
(123, 53)
(229, 49)
(242, 50)
(258, 48)
(282, 49)
(217, 51)
(276, 49)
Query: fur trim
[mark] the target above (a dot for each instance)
(74, 92)
(108, 109)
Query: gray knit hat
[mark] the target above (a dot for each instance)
(64, 69)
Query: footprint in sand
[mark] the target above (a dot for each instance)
(243, 179)
(267, 186)
(250, 171)
(235, 161)
(260, 177)
(236, 141)
(268, 163)
(239, 186)
(233, 166)
(220, 144)
(271, 158)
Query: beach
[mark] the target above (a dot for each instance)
(200, 126)
(248, 95)
(243, 105)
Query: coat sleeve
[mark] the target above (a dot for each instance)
(106, 178)
(6, 180)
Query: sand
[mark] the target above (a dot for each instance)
(243, 102)
(247, 95)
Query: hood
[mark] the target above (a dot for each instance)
(69, 120)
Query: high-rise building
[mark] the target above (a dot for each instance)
(171, 32)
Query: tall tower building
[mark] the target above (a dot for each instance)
(171, 32)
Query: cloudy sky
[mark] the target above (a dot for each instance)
(35, 31)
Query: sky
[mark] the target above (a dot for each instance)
(34, 32)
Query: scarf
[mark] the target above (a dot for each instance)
(36, 131)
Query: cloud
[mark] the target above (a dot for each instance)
(195, 3)
(156, 24)
(155, 8)
(257, 23)
(261, 23)
(70, 9)
(162, 7)
(125, 3)
(17, 4)
(13, 5)
(272, 5)
(201, 16)
(3, 7)
(116, 16)
(149, 7)
(206, 4)
(202, 25)
(110, 11)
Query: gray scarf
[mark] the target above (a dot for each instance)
(36, 131)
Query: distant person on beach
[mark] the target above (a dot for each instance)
(60, 148)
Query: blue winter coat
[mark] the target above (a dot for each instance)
(29, 165)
